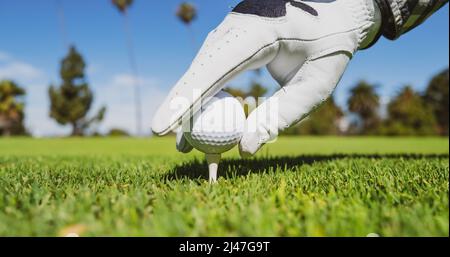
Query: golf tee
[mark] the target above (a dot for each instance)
(213, 164)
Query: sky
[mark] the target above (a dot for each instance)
(34, 37)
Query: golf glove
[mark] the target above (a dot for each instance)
(305, 45)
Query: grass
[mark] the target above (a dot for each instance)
(299, 186)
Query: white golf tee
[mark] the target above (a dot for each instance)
(213, 164)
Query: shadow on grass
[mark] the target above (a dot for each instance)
(197, 169)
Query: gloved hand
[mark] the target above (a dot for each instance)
(306, 46)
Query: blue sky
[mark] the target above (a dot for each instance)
(31, 46)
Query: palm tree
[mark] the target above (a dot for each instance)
(365, 102)
(408, 114)
(437, 97)
(187, 13)
(122, 6)
(257, 90)
(11, 108)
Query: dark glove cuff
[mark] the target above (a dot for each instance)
(388, 28)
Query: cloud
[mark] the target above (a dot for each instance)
(116, 93)
(4, 56)
(93, 69)
(38, 122)
(14, 69)
(118, 96)
(128, 81)
(35, 82)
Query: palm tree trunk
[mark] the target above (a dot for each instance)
(134, 70)
(192, 36)
(62, 24)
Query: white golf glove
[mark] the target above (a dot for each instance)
(306, 46)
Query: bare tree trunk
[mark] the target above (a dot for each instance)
(6, 132)
(6, 125)
(76, 130)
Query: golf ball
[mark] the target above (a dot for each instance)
(218, 126)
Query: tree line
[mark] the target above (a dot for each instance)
(408, 113)
(71, 101)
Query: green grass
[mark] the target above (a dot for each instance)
(299, 186)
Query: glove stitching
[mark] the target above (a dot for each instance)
(334, 49)
(277, 41)
(362, 17)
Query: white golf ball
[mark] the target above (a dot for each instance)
(218, 126)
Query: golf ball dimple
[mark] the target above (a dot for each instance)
(218, 126)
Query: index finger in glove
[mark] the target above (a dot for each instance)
(311, 86)
(238, 44)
